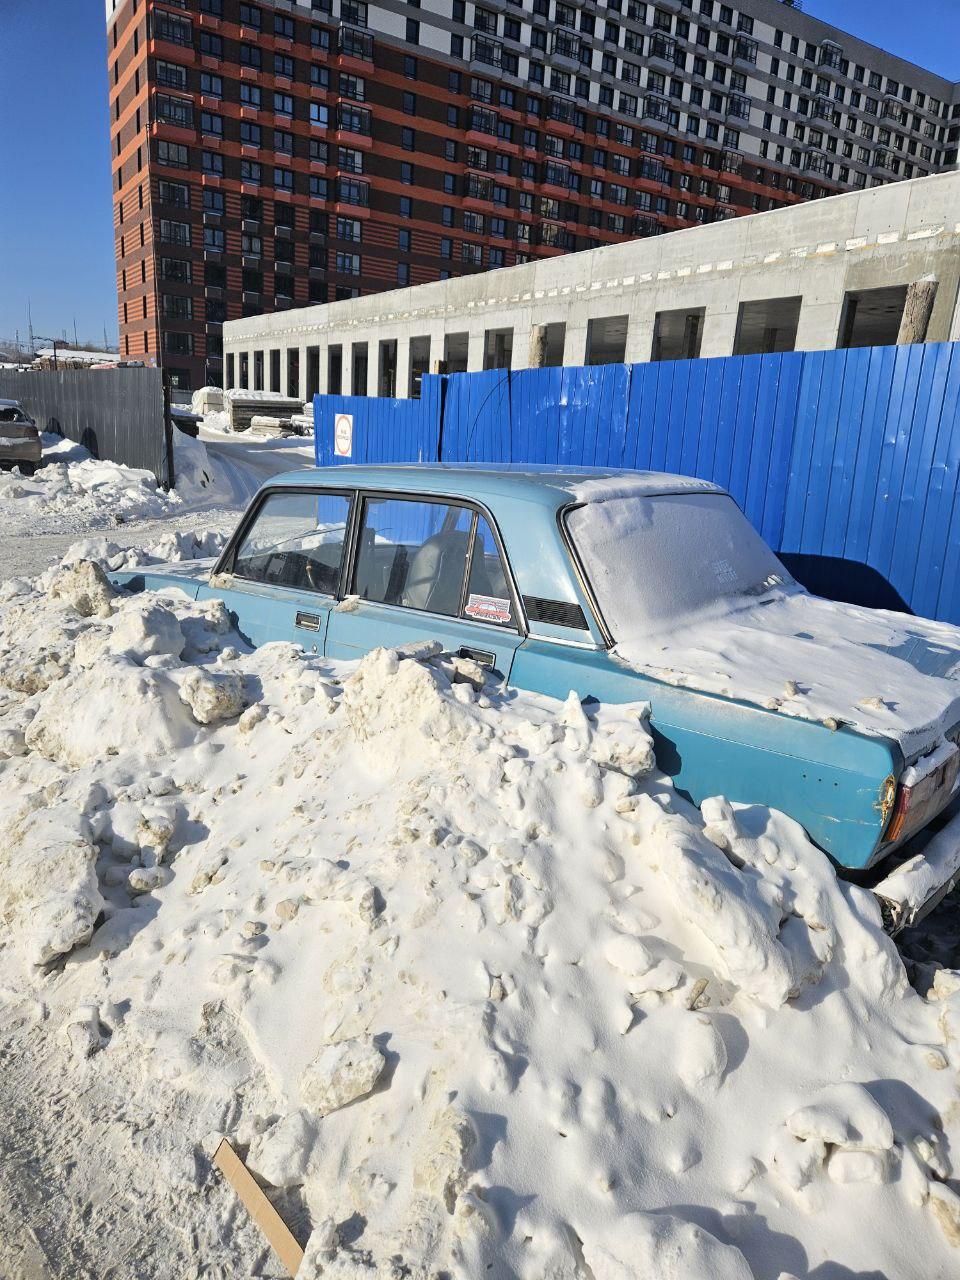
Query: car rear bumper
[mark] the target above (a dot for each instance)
(916, 886)
(13, 451)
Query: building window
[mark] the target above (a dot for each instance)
(176, 269)
(175, 233)
(211, 86)
(348, 264)
(213, 201)
(214, 239)
(250, 16)
(178, 344)
(212, 163)
(403, 272)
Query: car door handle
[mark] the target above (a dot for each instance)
(308, 621)
(480, 656)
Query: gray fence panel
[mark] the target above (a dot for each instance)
(115, 413)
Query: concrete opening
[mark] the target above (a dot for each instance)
(244, 380)
(358, 380)
(293, 371)
(497, 348)
(607, 340)
(313, 372)
(419, 364)
(275, 370)
(258, 371)
(456, 348)
(766, 326)
(871, 317)
(228, 381)
(335, 370)
(677, 334)
(387, 375)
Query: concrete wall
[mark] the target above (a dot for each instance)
(886, 236)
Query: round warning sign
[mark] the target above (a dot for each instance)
(343, 435)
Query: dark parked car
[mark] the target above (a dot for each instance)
(19, 438)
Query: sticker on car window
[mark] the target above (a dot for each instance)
(488, 608)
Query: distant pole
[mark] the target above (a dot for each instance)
(76, 340)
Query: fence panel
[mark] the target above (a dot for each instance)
(848, 461)
(115, 413)
(383, 430)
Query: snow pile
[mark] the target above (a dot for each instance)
(72, 490)
(172, 548)
(472, 990)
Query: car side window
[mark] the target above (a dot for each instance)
(413, 554)
(296, 540)
(489, 598)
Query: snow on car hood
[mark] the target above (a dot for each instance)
(885, 674)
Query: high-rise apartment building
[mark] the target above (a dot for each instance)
(270, 155)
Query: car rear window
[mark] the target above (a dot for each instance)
(653, 561)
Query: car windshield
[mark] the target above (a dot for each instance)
(653, 561)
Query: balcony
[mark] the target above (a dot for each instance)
(354, 42)
(745, 50)
(655, 107)
(489, 53)
(662, 47)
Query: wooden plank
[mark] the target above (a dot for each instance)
(263, 1213)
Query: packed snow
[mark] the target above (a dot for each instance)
(72, 490)
(470, 988)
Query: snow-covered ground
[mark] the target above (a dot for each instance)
(73, 494)
(474, 992)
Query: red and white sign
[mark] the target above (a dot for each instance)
(488, 609)
(343, 435)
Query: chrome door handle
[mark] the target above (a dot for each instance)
(480, 656)
(308, 621)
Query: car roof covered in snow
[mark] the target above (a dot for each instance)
(10, 404)
(549, 486)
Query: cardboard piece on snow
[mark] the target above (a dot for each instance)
(263, 1213)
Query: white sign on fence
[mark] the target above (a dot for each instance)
(343, 435)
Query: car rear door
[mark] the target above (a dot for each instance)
(284, 569)
(426, 568)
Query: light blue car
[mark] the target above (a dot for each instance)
(625, 587)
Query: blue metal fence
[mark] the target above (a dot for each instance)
(848, 462)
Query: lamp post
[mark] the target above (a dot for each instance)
(37, 339)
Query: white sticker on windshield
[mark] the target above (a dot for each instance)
(488, 608)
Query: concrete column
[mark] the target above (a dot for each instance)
(284, 371)
(520, 347)
(818, 328)
(917, 310)
(639, 338)
(575, 343)
(537, 346)
(719, 331)
(303, 373)
(402, 377)
(475, 350)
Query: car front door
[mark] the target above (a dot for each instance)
(283, 574)
(427, 569)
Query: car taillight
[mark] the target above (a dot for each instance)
(917, 804)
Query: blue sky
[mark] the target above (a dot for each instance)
(56, 227)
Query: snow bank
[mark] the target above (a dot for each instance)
(470, 987)
(74, 490)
